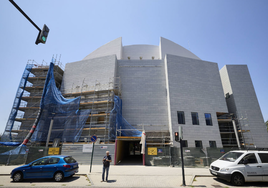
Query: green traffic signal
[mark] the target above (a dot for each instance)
(42, 36)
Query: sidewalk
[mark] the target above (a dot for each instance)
(134, 176)
(145, 176)
(129, 176)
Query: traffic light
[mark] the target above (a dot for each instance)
(177, 136)
(42, 35)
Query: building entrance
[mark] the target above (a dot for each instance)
(128, 153)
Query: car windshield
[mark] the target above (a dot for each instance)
(231, 156)
(69, 160)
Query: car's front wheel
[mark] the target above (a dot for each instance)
(58, 176)
(238, 179)
(17, 177)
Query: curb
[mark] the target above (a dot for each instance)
(91, 182)
(194, 176)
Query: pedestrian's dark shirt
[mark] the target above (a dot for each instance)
(107, 163)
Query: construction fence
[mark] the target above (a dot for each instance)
(155, 156)
(7, 157)
(192, 157)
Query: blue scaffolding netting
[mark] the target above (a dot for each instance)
(68, 121)
(7, 136)
(119, 125)
(64, 116)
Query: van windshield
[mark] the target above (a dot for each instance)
(231, 156)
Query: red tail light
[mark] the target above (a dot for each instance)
(67, 166)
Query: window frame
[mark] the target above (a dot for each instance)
(184, 143)
(248, 156)
(183, 116)
(196, 116)
(214, 142)
(200, 141)
(40, 162)
(206, 119)
(55, 160)
(264, 159)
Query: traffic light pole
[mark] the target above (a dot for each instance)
(182, 164)
(25, 15)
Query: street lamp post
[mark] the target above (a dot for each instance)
(50, 129)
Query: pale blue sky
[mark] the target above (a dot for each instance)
(222, 31)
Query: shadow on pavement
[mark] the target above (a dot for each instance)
(46, 180)
(111, 181)
(247, 184)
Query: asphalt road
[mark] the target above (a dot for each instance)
(75, 181)
(82, 181)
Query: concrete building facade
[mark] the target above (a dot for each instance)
(161, 84)
(162, 88)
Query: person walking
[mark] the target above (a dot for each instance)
(106, 164)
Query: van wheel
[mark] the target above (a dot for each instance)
(17, 177)
(58, 176)
(238, 179)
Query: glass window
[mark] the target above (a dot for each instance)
(251, 158)
(212, 144)
(195, 119)
(198, 144)
(40, 162)
(184, 143)
(264, 157)
(208, 119)
(69, 160)
(181, 119)
(53, 160)
(231, 156)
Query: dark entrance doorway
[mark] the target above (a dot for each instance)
(128, 153)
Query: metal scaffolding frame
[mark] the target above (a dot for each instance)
(99, 98)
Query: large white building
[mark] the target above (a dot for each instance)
(162, 88)
(167, 86)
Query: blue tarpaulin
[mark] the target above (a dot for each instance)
(10, 143)
(119, 125)
(68, 120)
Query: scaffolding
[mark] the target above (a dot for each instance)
(243, 126)
(99, 98)
(235, 130)
(28, 97)
(94, 96)
(228, 130)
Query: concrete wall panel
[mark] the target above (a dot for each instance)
(82, 75)
(144, 93)
(195, 86)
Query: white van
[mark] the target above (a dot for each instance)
(241, 166)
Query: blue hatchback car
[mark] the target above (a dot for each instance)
(56, 166)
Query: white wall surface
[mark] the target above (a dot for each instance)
(168, 47)
(137, 51)
(144, 93)
(83, 74)
(195, 86)
(111, 48)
